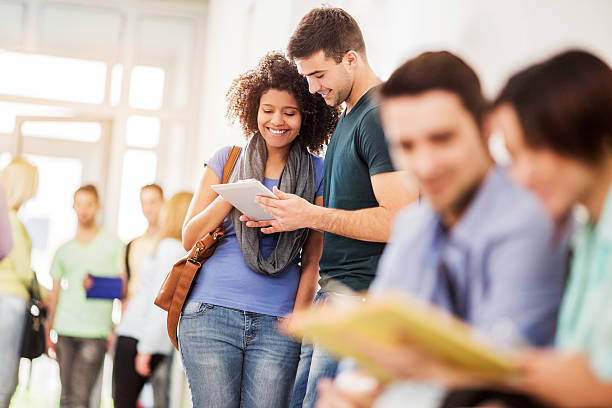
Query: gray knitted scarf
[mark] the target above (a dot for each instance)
(298, 177)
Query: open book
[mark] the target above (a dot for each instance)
(393, 319)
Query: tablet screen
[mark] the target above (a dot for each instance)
(242, 196)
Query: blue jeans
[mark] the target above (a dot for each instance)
(234, 358)
(11, 331)
(315, 364)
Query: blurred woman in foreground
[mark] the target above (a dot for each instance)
(20, 182)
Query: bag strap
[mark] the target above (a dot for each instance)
(228, 168)
(34, 289)
(230, 163)
(190, 268)
(128, 248)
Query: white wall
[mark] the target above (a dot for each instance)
(496, 36)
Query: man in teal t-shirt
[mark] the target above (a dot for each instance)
(82, 324)
(356, 153)
(362, 190)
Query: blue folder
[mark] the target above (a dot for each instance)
(105, 288)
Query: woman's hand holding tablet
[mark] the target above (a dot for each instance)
(242, 196)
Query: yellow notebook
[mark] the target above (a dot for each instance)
(393, 318)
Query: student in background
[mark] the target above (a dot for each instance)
(138, 249)
(82, 325)
(20, 181)
(151, 202)
(479, 246)
(556, 117)
(142, 342)
(362, 189)
(6, 240)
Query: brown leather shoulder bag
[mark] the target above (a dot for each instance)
(176, 286)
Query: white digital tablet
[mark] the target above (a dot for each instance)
(242, 196)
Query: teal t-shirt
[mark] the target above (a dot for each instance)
(585, 320)
(356, 152)
(77, 316)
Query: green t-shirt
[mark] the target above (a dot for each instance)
(356, 152)
(76, 315)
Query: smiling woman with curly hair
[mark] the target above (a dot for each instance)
(232, 352)
(274, 71)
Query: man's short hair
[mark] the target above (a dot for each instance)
(88, 188)
(565, 104)
(155, 187)
(438, 71)
(327, 29)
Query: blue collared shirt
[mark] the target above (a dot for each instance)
(497, 268)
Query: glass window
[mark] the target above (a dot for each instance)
(139, 168)
(77, 131)
(147, 87)
(172, 41)
(47, 77)
(142, 131)
(116, 78)
(9, 111)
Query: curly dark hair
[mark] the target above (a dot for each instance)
(275, 71)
